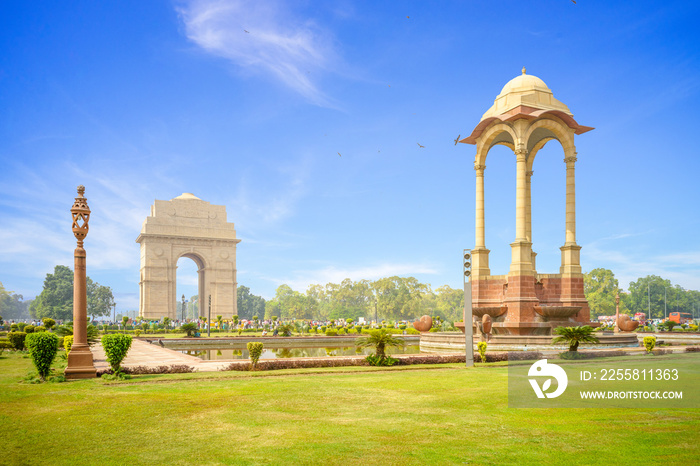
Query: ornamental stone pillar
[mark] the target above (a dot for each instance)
(570, 252)
(480, 255)
(80, 362)
(528, 216)
(521, 248)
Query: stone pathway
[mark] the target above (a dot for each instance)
(142, 353)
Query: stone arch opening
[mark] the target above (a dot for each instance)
(189, 283)
(499, 190)
(189, 227)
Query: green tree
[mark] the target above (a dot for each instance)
(399, 298)
(349, 300)
(317, 301)
(100, 299)
(600, 287)
(56, 299)
(449, 303)
(648, 293)
(249, 304)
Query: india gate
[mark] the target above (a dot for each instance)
(187, 226)
(524, 117)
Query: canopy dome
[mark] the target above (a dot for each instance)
(526, 97)
(525, 90)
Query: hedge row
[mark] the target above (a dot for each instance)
(292, 363)
(172, 369)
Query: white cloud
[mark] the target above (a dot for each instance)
(276, 43)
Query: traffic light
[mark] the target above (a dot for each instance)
(467, 264)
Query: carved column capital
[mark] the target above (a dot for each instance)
(521, 155)
(530, 173)
(571, 159)
(479, 169)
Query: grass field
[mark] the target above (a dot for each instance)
(402, 415)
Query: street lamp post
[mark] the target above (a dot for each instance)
(209, 319)
(183, 307)
(468, 311)
(80, 361)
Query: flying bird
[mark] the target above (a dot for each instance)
(573, 1)
(419, 145)
(339, 154)
(247, 32)
(457, 140)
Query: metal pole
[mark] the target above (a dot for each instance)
(648, 301)
(209, 319)
(665, 311)
(468, 331)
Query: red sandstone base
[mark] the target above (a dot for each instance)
(530, 305)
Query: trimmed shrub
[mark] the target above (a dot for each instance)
(481, 346)
(692, 349)
(28, 329)
(331, 333)
(17, 339)
(116, 346)
(21, 326)
(43, 347)
(5, 344)
(49, 323)
(68, 343)
(649, 343)
(39, 328)
(255, 348)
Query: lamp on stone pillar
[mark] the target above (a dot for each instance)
(617, 311)
(80, 362)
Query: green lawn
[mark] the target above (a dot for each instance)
(403, 415)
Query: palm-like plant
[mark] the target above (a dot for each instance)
(575, 335)
(380, 340)
(285, 330)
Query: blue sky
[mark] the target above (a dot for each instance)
(146, 100)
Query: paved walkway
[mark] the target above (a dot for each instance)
(146, 354)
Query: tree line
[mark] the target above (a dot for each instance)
(654, 296)
(394, 298)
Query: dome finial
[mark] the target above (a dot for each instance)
(523, 70)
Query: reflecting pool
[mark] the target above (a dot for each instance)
(213, 354)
